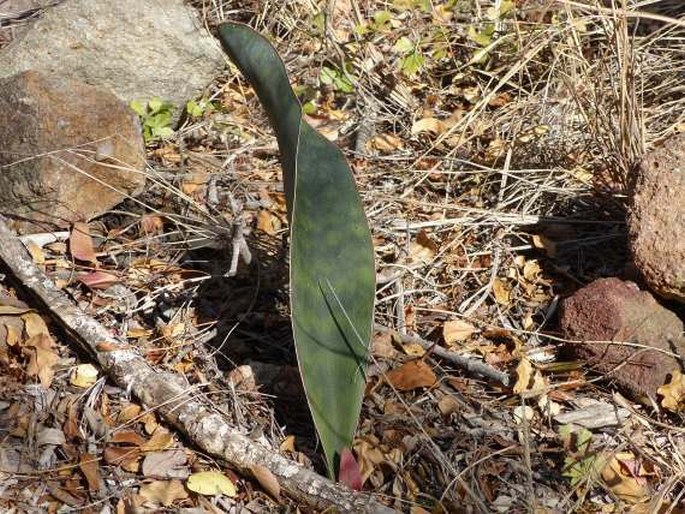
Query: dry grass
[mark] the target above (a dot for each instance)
(515, 201)
(542, 142)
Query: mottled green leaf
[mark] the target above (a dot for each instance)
(412, 63)
(332, 277)
(403, 45)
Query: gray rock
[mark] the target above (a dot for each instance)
(610, 309)
(68, 151)
(657, 219)
(136, 50)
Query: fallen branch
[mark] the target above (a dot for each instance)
(169, 394)
(470, 364)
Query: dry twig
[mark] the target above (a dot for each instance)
(469, 364)
(169, 394)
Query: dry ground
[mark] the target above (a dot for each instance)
(493, 144)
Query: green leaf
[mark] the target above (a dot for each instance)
(138, 107)
(327, 75)
(332, 277)
(403, 45)
(337, 79)
(506, 7)
(162, 132)
(319, 22)
(361, 30)
(381, 19)
(482, 37)
(156, 105)
(194, 109)
(412, 63)
(198, 108)
(309, 108)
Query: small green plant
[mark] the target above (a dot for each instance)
(412, 59)
(155, 116)
(307, 97)
(198, 108)
(486, 37)
(404, 5)
(336, 78)
(580, 464)
(381, 22)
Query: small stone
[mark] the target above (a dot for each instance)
(610, 309)
(657, 218)
(50, 137)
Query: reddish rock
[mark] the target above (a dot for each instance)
(610, 309)
(68, 151)
(657, 218)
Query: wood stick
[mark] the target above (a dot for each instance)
(470, 364)
(169, 394)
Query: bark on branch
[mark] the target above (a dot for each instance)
(169, 394)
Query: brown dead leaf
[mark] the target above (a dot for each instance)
(195, 182)
(83, 376)
(14, 334)
(98, 279)
(168, 464)
(149, 423)
(36, 252)
(107, 346)
(622, 476)
(267, 480)
(545, 244)
(13, 310)
(448, 404)
(173, 330)
(531, 270)
(442, 14)
(410, 317)
(128, 412)
(382, 346)
(524, 373)
(211, 483)
(164, 492)
(168, 154)
(330, 131)
(500, 100)
(161, 439)
(385, 143)
(151, 224)
(502, 291)
(71, 424)
(412, 375)
(287, 445)
(89, 466)
(265, 222)
(413, 349)
(431, 125)
(423, 249)
(369, 457)
(457, 330)
(127, 437)
(138, 333)
(81, 243)
(34, 324)
(673, 392)
(126, 457)
(342, 11)
(42, 358)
